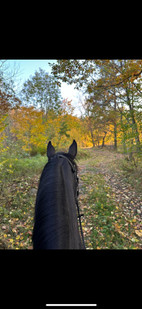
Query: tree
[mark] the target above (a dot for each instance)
(8, 100)
(111, 83)
(98, 119)
(129, 97)
(42, 91)
(91, 75)
(27, 125)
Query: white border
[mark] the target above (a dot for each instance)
(71, 305)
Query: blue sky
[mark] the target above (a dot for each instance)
(28, 67)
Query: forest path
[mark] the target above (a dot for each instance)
(125, 194)
(111, 201)
(127, 201)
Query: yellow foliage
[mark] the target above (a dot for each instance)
(2, 133)
(34, 129)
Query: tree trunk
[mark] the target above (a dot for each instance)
(115, 124)
(92, 136)
(124, 133)
(134, 127)
(103, 142)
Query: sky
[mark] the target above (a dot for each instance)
(27, 68)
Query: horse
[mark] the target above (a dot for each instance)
(56, 216)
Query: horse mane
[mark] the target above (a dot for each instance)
(55, 224)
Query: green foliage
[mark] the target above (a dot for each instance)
(64, 128)
(42, 91)
(113, 89)
(18, 184)
(83, 154)
(113, 114)
(105, 225)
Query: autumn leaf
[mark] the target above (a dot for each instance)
(139, 232)
(30, 232)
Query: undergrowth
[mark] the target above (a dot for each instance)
(104, 224)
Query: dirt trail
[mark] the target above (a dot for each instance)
(124, 192)
(125, 195)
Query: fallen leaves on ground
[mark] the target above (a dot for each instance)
(112, 208)
(17, 213)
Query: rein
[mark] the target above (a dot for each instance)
(76, 195)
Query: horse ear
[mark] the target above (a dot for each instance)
(73, 149)
(50, 150)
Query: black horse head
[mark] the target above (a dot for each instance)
(56, 225)
(72, 150)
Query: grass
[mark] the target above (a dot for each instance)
(105, 226)
(18, 186)
(132, 174)
(100, 216)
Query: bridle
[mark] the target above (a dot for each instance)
(76, 193)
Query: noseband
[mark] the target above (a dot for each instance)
(74, 170)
